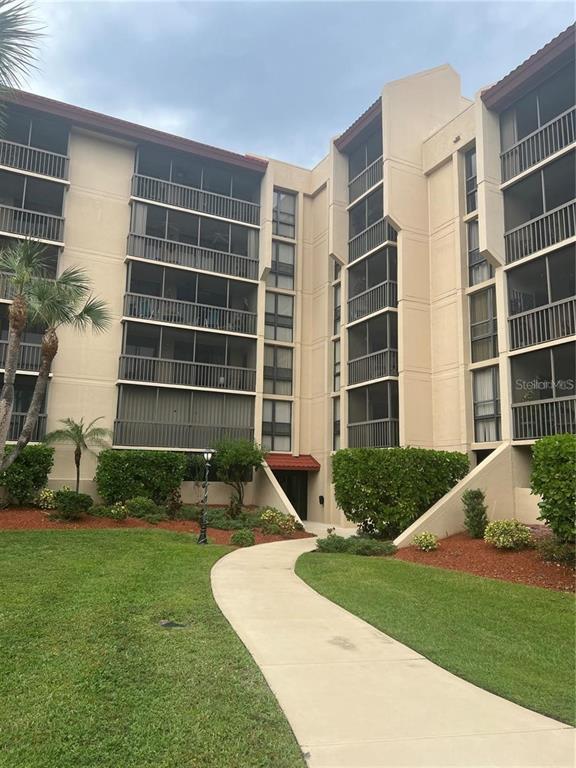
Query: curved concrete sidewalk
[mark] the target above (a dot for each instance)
(356, 698)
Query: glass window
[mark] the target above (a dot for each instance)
(336, 424)
(471, 183)
(277, 370)
(336, 365)
(281, 273)
(276, 425)
(483, 325)
(279, 319)
(284, 214)
(336, 294)
(479, 269)
(485, 385)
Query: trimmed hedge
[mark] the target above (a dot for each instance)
(553, 478)
(71, 505)
(28, 474)
(385, 490)
(122, 475)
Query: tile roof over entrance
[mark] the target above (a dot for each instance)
(303, 463)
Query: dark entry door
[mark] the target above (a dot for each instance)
(295, 486)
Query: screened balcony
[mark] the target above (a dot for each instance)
(31, 207)
(23, 389)
(365, 163)
(29, 357)
(187, 358)
(169, 295)
(372, 284)
(539, 124)
(540, 210)
(196, 242)
(373, 349)
(205, 186)
(373, 416)
(366, 226)
(34, 143)
(152, 417)
(543, 392)
(542, 299)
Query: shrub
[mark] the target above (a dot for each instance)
(236, 460)
(71, 505)
(553, 473)
(46, 499)
(154, 519)
(118, 511)
(508, 534)
(173, 503)
(355, 545)
(390, 489)
(425, 541)
(28, 474)
(243, 538)
(554, 551)
(122, 475)
(332, 543)
(272, 517)
(189, 512)
(99, 510)
(475, 518)
(140, 506)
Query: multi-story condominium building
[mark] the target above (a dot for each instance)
(417, 287)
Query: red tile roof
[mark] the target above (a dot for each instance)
(374, 111)
(303, 463)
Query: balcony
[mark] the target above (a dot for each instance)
(365, 180)
(546, 230)
(187, 313)
(373, 366)
(6, 287)
(383, 433)
(546, 141)
(186, 374)
(543, 324)
(28, 359)
(34, 160)
(41, 226)
(374, 299)
(168, 193)
(185, 436)
(17, 424)
(543, 418)
(191, 256)
(377, 234)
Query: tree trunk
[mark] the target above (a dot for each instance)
(17, 322)
(77, 459)
(48, 353)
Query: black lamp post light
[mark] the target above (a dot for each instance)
(203, 538)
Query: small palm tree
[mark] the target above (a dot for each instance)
(79, 435)
(65, 301)
(19, 38)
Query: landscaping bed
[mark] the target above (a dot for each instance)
(462, 553)
(17, 519)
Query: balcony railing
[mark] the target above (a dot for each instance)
(17, 424)
(28, 358)
(544, 417)
(186, 374)
(374, 299)
(380, 232)
(34, 160)
(551, 138)
(542, 324)
(167, 192)
(43, 226)
(383, 433)
(365, 180)
(6, 286)
(373, 366)
(192, 256)
(187, 313)
(186, 436)
(549, 229)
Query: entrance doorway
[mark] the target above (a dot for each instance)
(295, 486)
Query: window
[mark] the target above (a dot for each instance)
(276, 425)
(281, 273)
(284, 214)
(336, 424)
(544, 374)
(336, 365)
(367, 212)
(336, 296)
(471, 183)
(336, 269)
(483, 325)
(479, 269)
(279, 320)
(277, 370)
(486, 389)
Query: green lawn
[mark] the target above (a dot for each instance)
(513, 640)
(89, 678)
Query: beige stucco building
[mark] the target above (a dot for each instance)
(417, 287)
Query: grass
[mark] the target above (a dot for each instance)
(90, 678)
(514, 640)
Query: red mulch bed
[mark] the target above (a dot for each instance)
(37, 519)
(461, 553)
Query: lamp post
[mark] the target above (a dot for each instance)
(203, 538)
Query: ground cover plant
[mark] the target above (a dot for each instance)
(90, 677)
(513, 640)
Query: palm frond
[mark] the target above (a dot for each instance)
(25, 261)
(57, 436)
(94, 313)
(19, 37)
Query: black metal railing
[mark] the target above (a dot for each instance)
(554, 321)
(149, 434)
(186, 374)
(544, 417)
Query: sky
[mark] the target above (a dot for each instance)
(277, 79)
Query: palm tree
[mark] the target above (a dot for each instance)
(65, 301)
(79, 435)
(24, 262)
(19, 38)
